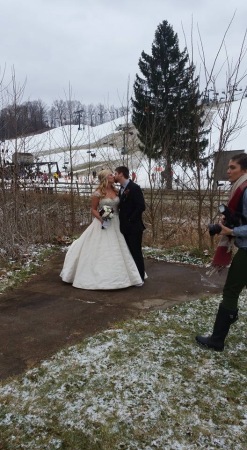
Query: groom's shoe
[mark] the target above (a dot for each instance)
(139, 284)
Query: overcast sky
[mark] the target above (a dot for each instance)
(95, 45)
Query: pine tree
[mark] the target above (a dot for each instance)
(167, 111)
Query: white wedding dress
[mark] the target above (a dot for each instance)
(100, 259)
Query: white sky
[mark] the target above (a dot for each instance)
(95, 45)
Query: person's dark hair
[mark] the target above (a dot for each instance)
(241, 159)
(124, 170)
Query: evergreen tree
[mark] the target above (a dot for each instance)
(167, 111)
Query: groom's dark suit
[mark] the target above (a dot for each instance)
(131, 207)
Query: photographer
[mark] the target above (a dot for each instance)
(237, 275)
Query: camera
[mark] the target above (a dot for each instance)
(214, 229)
(230, 221)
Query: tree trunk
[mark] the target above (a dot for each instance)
(168, 171)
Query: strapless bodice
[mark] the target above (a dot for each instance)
(112, 202)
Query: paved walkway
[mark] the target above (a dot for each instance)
(44, 314)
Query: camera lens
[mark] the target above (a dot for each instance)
(214, 229)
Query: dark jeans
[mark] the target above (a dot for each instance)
(134, 242)
(236, 280)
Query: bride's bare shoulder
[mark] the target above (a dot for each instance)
(96, 193)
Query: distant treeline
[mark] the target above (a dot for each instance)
(35, 116)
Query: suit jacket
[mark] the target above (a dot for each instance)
(131, 207)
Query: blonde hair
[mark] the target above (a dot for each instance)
(103, 182)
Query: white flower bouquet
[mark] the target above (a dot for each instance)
(106, 213)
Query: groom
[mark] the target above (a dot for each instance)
(131, 207)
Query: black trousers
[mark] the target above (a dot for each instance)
(236, 280)
(134, 242)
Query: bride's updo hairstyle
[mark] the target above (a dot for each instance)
(103, 182)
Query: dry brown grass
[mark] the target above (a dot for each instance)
(171, 219)
(32, 218)
(27, 217)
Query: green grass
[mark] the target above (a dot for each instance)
(143, 385)
(182, 255)
(19, 272)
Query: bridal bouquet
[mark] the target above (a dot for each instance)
(106, 213)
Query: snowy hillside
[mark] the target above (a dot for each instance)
(93, 148)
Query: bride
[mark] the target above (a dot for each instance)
(100, 258)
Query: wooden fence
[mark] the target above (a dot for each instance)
(50, 187)
(86, 189)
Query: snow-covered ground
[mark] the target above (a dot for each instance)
(144, 385)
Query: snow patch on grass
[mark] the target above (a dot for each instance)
(145, 385)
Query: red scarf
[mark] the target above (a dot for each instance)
(223, 254)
